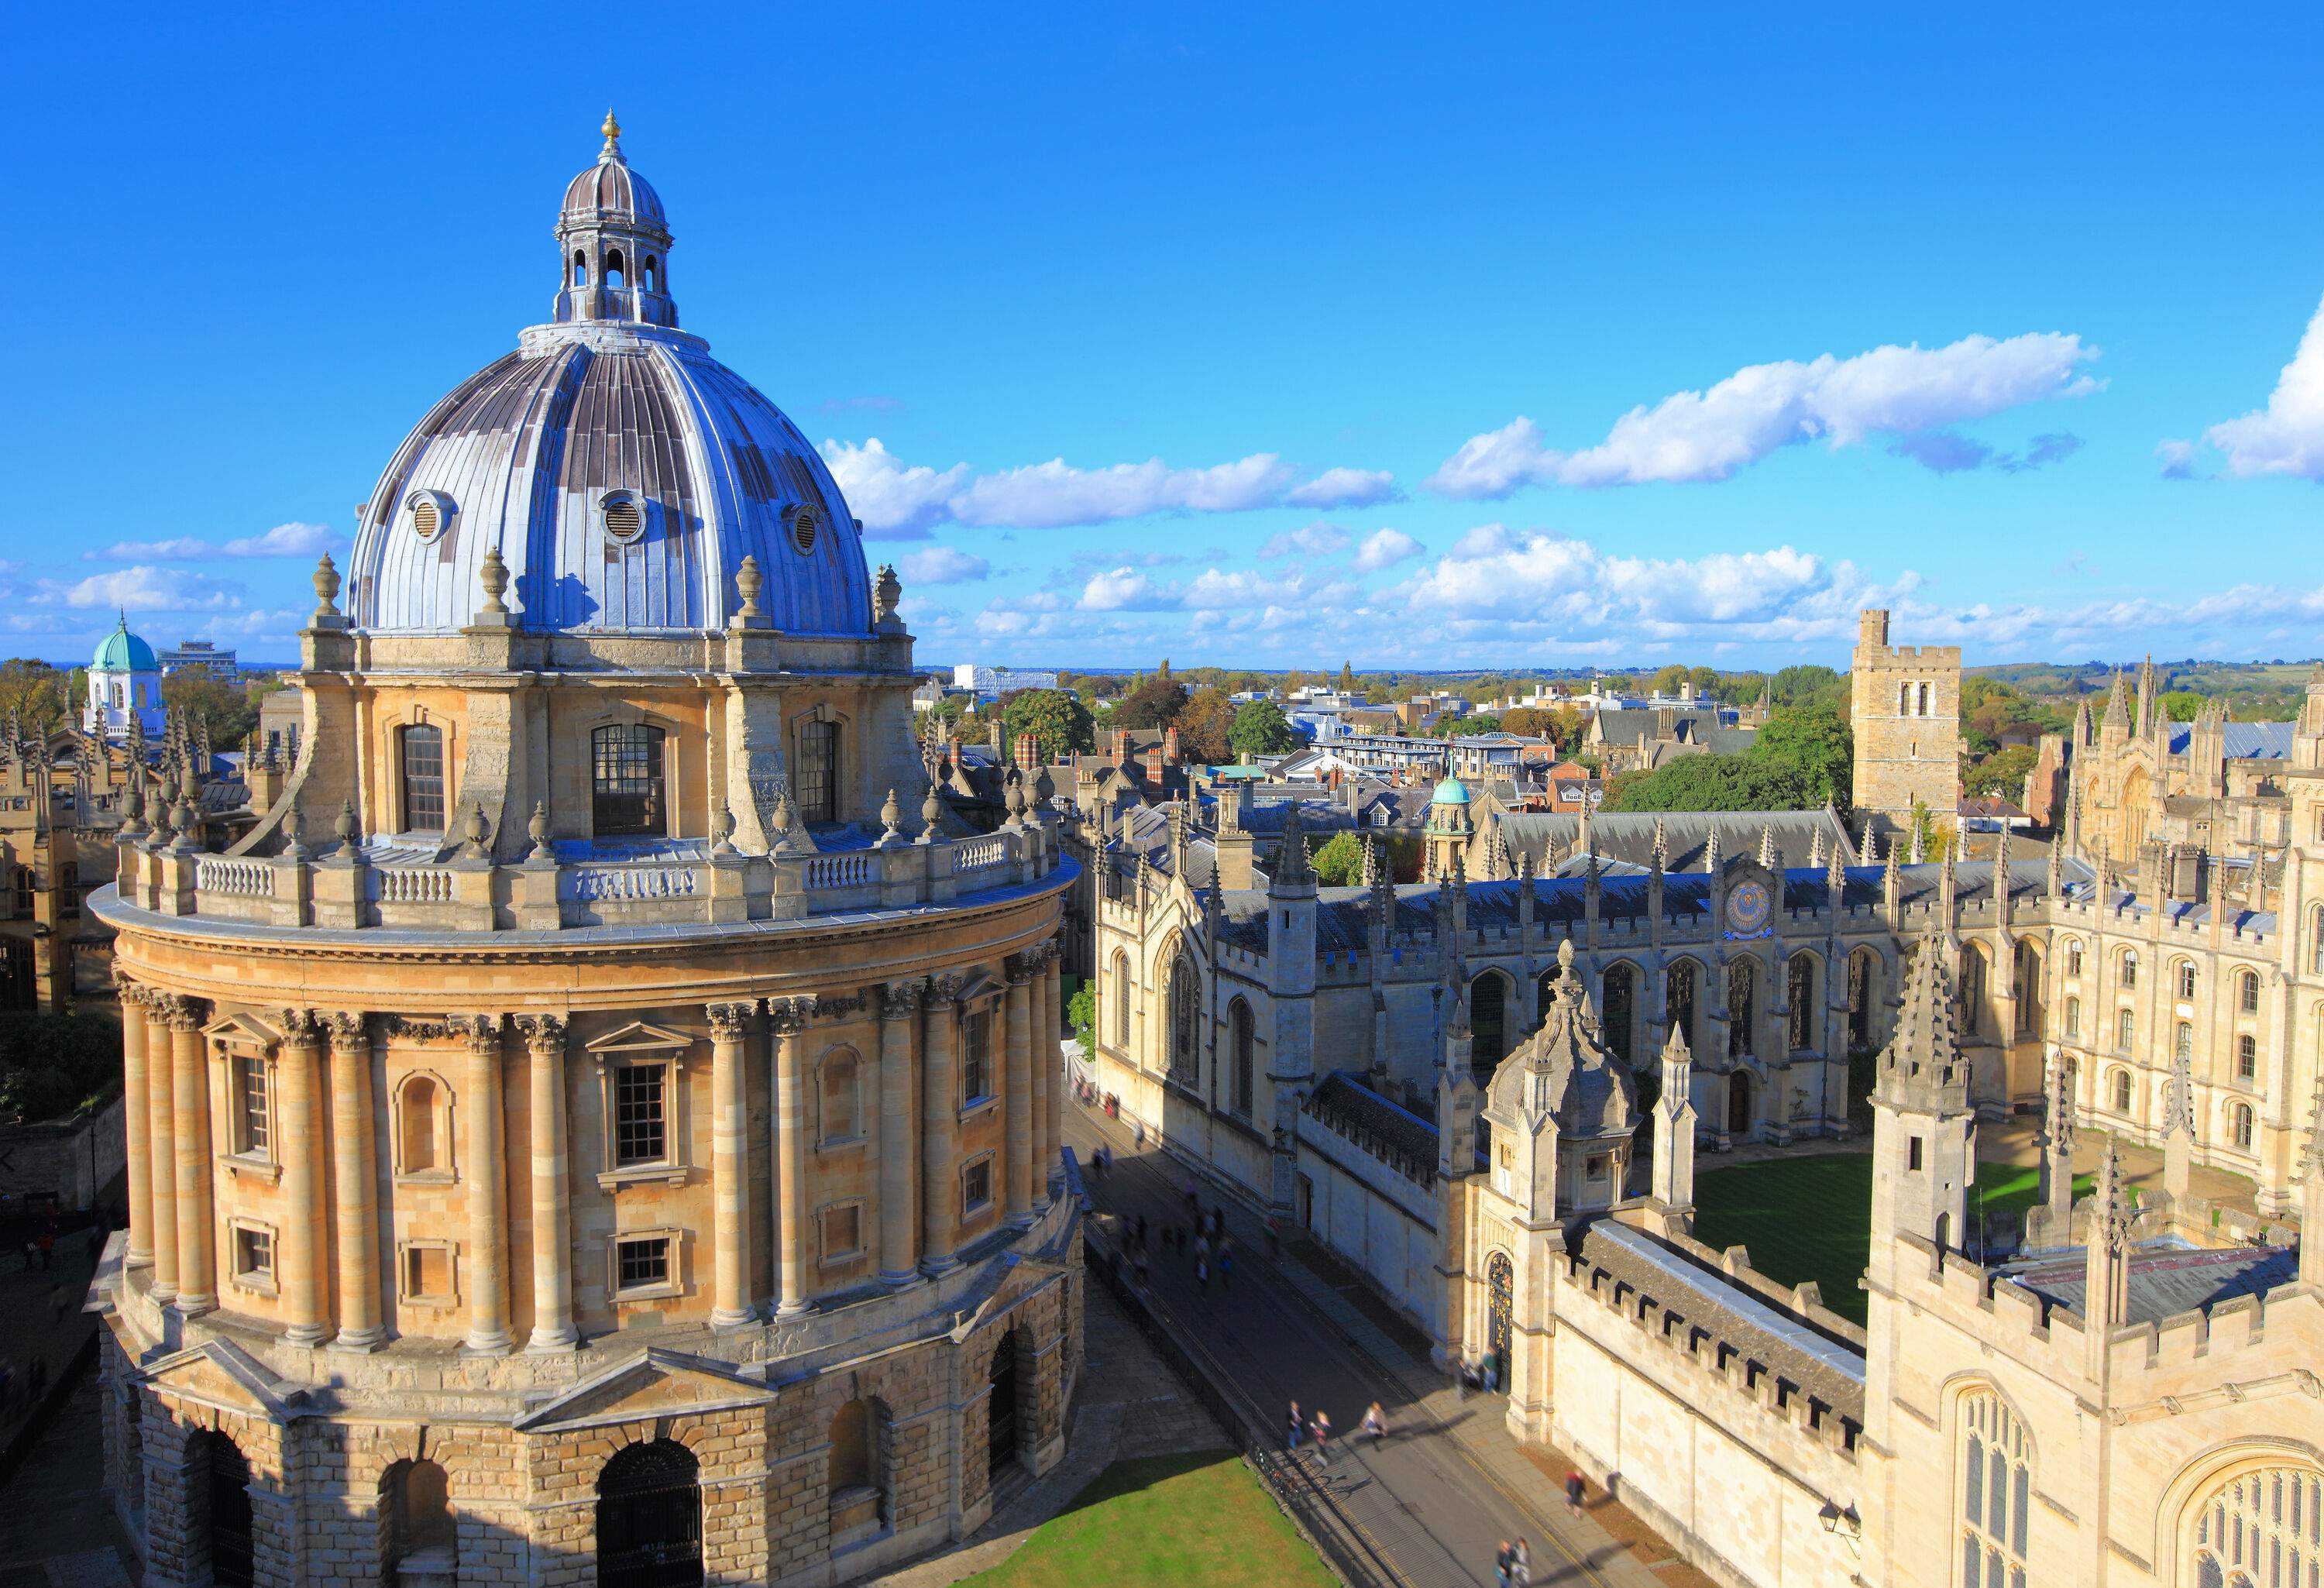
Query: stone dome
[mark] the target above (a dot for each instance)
(622, 473)
(122, 651)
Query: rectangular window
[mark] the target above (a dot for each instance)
(253, 1254)
(641, 1133)
(818, 772)
(423, 778)
(250, 1105)
(975, 1057)
(426, 1273)
(1913, 1153)
(843, 1231)
(23, 889)
(625, 778)
(642, 1263)
(2074, 1016)
(976, 1188)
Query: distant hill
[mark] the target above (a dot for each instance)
(2255, 691)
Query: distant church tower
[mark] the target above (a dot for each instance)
(1904, 711)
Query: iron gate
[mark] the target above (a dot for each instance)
(1000, 1409)
(1500, 1308)
(650, 1519)
(229, 1504)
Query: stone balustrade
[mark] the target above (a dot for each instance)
(380, 886)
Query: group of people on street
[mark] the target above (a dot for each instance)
(1318, 1430)
(1512, 1564)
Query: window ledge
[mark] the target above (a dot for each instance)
(643, 1174)
(255, 1168)
(668, 1290)
(980, 1105)
(840, 1259)
(426, 1177)
(256, 1284)
(843, 1144)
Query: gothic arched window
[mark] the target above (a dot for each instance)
(1742, 989)
(1859, 999)
(2262, 1527)
(1800, 993)
(1121, 999)
(1619, 1010)
(1239, 1026)
(1183, 998)
(1997, 1485)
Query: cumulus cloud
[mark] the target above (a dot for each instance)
(895, 503)
(145, 588)
(1345, 487)
(2287, 436)
(1384, 549)
(1708, 435)
(1316, 539)
(942, 564)
(290, 540)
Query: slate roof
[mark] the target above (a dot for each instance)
(2244, 741)
(1630, 836)
(2164, 1281)
(1341, 1094)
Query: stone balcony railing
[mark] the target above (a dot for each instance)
(395, 885)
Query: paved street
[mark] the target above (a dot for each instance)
(1448, 1484)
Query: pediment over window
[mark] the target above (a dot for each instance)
(654, 1383)
(244, 1030)
(638, 1037)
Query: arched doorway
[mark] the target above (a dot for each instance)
(1738, 1105)
(2130, 814)
(417, 1536)
(225, 1480)
(650, 1517)
(1489, 1022)
(1500, 1309)
(1000, 1410)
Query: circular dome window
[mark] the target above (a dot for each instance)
(803, 525)
(626, 517)
(430, 511)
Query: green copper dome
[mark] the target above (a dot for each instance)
(124, 653)
(1451, 791)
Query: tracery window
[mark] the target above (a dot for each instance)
(1859, 999)
(1996, 1487)
(1678, 999)
(2264, 1529)
(1238, 1021)
(1742, 985)
(1184, 999)
(1621, 1002)
(1121, 1000)
(1799, 993)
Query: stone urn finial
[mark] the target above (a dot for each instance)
(294, 827)
(538, 830)
(931, 808)
(887, 593)
(473, 826)
(782, 815)
(494, 576)
(748, 582)
(892, 814)
(327, 588)
(725, 844)
(347, 829)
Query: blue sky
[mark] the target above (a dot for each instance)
(1266, 336)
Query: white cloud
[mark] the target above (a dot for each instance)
(290, 540)
(895, 502)
(1053, 494)
(146, 588)
(1124, 589)
(2287, 436)
(1384, 549)
(183, 549)
(1708, 435)
(1345, 487)
(1316, 539)
(942, 564)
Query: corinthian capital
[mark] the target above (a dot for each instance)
(787, 1017)
(183, 1013)
(482, 1031)
(943, 991)
(348, 1027)
(1021, 968)
(542, 1032)
(300, 1027)
(900, 1001)
(731, 1023)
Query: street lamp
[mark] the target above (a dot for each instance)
(1844, 1525)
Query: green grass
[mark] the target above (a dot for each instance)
(1165, 1520)
(1810, 1218)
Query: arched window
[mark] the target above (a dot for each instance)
(1239, 1027)
(2247, 993)
(580, 268)
(1924, 701)
(2258, 1525)
(1121, 1000)
(837, 1096)
(1799, 992)
(614, 268)
(653, 275)
(625, 781)
(1997, 1484)
(1489, 1022)
(2239, 1126)
(1903, 700)
(650, 1516)
(2073, 956)
(1620, 1009)
(2246, 1057)
(817, 782)
(420, 760)
(417, 1537)
(1742, 989)
(1859, 999)
(2025, 987)
(1970, 1002)
(1678, 1000)
(861, 1461)
(2122, 1092)
(2073, 1018)
(220, 1497)
(1183, 998)
(2129, 969)
(2183, 1041)
(2186, 978)
(2125, 1030)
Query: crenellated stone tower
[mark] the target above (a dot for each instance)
(1904, 710)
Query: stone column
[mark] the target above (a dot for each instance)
(899, 1007)
(355, 1159)
(939, 1131)
(730, 1165)
(197, 1215)
(136, 1121)
(787, 1019)
(1016, 1094)
(488, 1200)
(552, 1221)
(299, 1099)
(1049, 1076)
(162, 1160)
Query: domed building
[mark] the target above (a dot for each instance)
(125, 685)
(601, 1124)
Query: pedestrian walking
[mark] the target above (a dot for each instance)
(1521, 1564)
(1226, 1267)
(1501, 1565)
(1202, 1249)
(1374, 1423)
(1290, 1434)
(1202, 1275)
(1574, 1493)
(1138, 1262)
(1193, 1202)
(1321, 1429)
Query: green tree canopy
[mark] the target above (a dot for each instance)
(2003, 772)
(1803, 757)
(2181, 706)
(1260, 729)
(1814, 740)
(1059, 724)
(1204, 724)
(226, 707)
(1155, 703)
(35, 692)
(1347, 678)
(1339, 863)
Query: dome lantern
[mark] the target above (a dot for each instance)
(613, 243)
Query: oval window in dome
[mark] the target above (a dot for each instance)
(430, 511)
(803, 526)
(626, 517)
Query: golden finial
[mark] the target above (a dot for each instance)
(613, 130)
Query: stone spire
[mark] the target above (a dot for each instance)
(2118, 705)
(1662, 844)
(1923, 1066)
(1371, 861)
(2106, 1276)
(2311, 1197)
(2057, 1144)
(1673, 1186)
(1816, 849)
(1769, 855)
(1710, 851)
(1923, 1131)
(2179, 1128)
(1835, 878)
(1291, 853)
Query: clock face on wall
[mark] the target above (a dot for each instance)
(1747, 908)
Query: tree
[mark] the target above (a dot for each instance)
(1527, 722)
(1339, 863)
(1476, 723)
(1260, 729)
(1057, 722)
(2181, 706)
(1815, 740)
(1081, 1013)
(1204, 724)
(2003, 773)
(1667, 680)
(1155, 703)
(224, 707)
(1347, 678)
(35, 692)
(1704, 679)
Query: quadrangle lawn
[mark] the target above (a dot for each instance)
(1167, 1519)
(1810, 1217)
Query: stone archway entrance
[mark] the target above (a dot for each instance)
(650, 1517)
(1002, 1411)
(226, 1480)
(1738, 1105)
